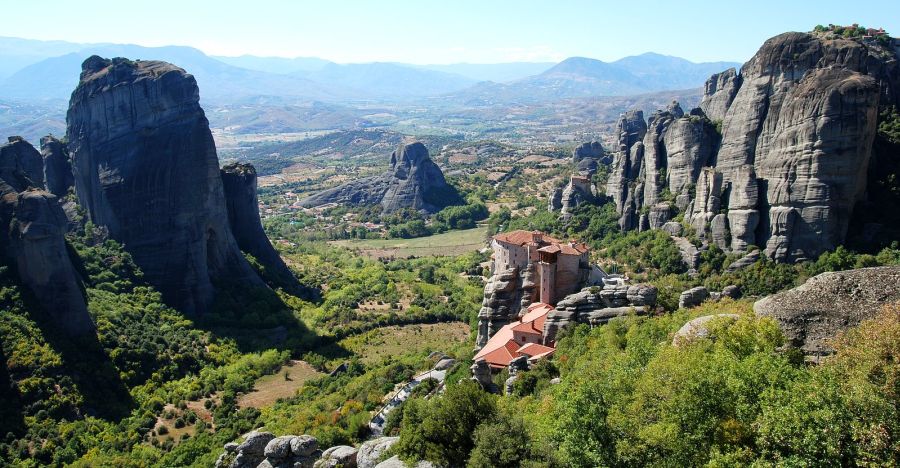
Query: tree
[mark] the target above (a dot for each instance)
(441, 430)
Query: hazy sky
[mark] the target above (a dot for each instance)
(442, 31)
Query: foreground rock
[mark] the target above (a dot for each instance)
(32, 230)
(146, 168)
(815, 312)
(264, 450)
(698, 328)
(339, 456)
(413, 181)
(371, 452)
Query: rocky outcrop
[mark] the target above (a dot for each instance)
(21, 165)
(812, 314)
(58, 178)
(588, 156)
(32, 238)
(579, 190)
(693, 297)
(239, 183)
(698, 328)
(797, 125)
(36, 226)
(503, 297)
(264, 450)
(343, 456)
(597, 306)
(413, 181)
(146, 169)
(719, 92)
(370, 452)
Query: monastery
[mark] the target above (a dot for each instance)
(559, 268)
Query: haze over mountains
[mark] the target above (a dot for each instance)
(46, 70)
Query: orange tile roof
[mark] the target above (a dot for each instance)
(535, 350)
(522, 237)
(502, 347)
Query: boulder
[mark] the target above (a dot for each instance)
(748, 259)
(812, 314)
(250, 453)
(146, 169)
(698, 328)
(370, 452)
(693, 297)
(339, 456)
(732, 291)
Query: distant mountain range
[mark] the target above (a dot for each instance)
(48, 70)
(580, 77)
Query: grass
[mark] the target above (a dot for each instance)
(450, 243)
(270, 388)
(390, 342)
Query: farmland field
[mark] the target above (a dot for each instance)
(447, 244)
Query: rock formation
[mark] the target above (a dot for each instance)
(21, 165)
(32, 230)
(693, 297)
(413, 181)
(372, 450)
(58, 178)
(797, 125)
(698, 328)
(813, 313)
(146, 169)
(597, 306)
(239, 182)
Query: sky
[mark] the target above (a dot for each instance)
(448, 31)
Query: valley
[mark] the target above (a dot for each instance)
(248, 261)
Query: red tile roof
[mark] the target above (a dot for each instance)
(502, 347)
(522, 237)
(535, 350)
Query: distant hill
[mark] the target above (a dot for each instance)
(668, 72)
(17, 53)
(279, 65)
(577, 77)
(497, 72)
(55, 78)
(384, 79)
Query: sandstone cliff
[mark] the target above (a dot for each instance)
(58, 178)
(413, 181)
(239, 182)
(32, 229)
(146, 168)
(776, 155)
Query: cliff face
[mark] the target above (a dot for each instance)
(239, 182)
(32, 229)
(146, 168)
(58, 176)
(413, 181)
(797, 126)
